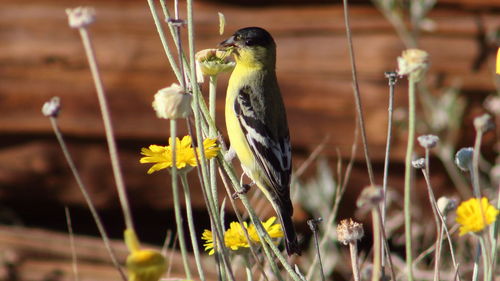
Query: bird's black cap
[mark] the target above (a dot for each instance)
(249, 36)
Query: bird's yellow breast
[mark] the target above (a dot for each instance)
(240, 77)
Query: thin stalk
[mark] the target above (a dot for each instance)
(177, 203)
(248, 268)
(192, 229)
(408, 171)
(353, 249)
(475, 165)
(432, 200)
(475, 270)
(377, 249)
(357, 96)
(86, 196)
(438, 213)
(385, 244)
(392, 78)
(213, 133)
(74, 259)
(113, 153)
(486, 259)
(313, 225)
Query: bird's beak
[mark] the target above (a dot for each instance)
(230, 42)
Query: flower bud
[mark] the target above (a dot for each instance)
(413, 62)
(463, 158)
(52, 107)
(370, 196)
(428, 141)
(418, 163)
(80, 17)
(483, 123)
(349, 231)
(211, 62)
(445, 205)
(172, 102)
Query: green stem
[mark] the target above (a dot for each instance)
(213, 133)
(408, 173)
(486, 260)
(475, 165)
(248, 267)
(177, 204)
(106, 117)
(163, 40)
(495, 239)
(192, 229)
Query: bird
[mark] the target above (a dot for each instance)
(257, 125)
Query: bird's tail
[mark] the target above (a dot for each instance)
(291, 241)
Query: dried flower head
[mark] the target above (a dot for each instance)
(483, 123)
(211, 62)
(80, 16)
(349, 231)
(418, 163)
(172, 102)
(52, 107)
(413, 62)
(463, 158)
(371, 196)
(428, 141)
(446, 204)
(474, 215)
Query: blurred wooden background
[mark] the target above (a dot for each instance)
(41, 57)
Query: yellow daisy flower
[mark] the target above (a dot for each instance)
(209, 244)
(474, 215)
(185, 157)
(234, 237)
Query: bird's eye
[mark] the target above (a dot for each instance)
(250, 42)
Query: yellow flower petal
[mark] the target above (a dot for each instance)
(474, 215)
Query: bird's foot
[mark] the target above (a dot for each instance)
(244, 190)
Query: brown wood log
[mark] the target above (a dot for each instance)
(34, 254)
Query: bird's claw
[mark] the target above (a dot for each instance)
(244, 190)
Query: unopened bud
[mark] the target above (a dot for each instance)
(172, 103)
(80, 17)
(463, 158)
(428, 141)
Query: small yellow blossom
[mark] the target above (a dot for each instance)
(185, 157)
(474, 215)
(211, 62)
(235, 239)
(143, 264)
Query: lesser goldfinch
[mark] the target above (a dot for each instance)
(257, 125)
